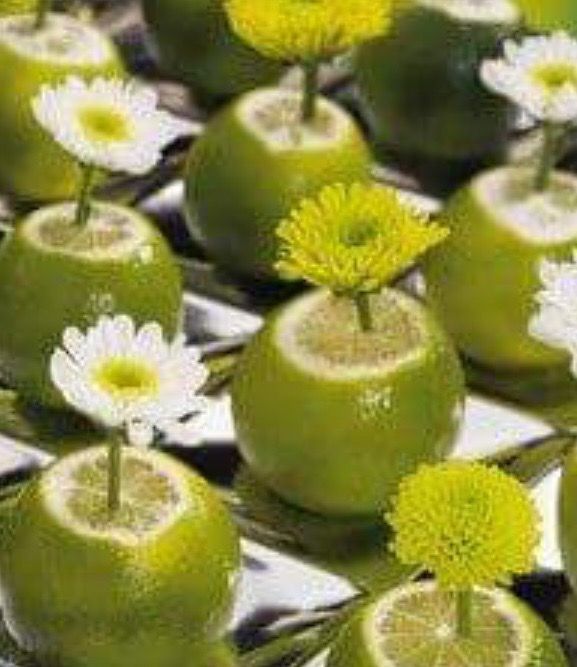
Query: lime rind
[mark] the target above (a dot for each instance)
(74, 493)
(543, 219)
(64, 41)
(473, 11)
(112, 232)
(400, 339)
(272, 116)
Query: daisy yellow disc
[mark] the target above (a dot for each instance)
(331, 418)
(151, 586)
(53, 276)
(32, 165)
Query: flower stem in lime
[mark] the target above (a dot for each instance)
(42, 10)
(464, 600)
(114, 474)
(548, 157)
(363, 306)
(353, 240)
(310, 90)
(89, 174)
(470, 525)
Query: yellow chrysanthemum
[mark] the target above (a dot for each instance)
(353, 239)
(469, 524)
(301, 30)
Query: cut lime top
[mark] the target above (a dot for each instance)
(154, 495)
(477, 11)
(63, 41)
(415, 625)
(113, 232)
(273, 115)
(541, 218)
(320, 334)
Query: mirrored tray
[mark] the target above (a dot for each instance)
(298, 570)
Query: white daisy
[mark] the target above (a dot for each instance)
(124, 378)
(539, 74)
(555, 323)
(110, 124)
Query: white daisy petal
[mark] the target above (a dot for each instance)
(110, 124)
(555, 322)
(539, 75)
(124, 377)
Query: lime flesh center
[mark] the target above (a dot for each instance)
(419, 631)
(152, 496)
(322, 332)
(111, 231)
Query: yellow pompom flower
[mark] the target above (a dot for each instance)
(353, 239)
(467, 523)
(304, 30)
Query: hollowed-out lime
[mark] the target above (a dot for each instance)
(550, 14)
(483, 281)
(17, 6)
(415, 626)
(147, 586)
(33, 166)
(421, 84)
(53, 275)
(254, 163)
(331, 418)
(197, 45)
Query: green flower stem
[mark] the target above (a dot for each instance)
(548, 157)
(85, 195)
(42, 9)
(310, 91)
(363, 306)
(465, 614)
(114, 473)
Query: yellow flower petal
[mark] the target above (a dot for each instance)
(353, 239)
(469, 524)
(297, 30)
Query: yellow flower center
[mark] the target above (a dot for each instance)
(126, 379)
(556, 75)
(105, 124)
(359, 233)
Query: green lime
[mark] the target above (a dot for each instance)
(53, 275)
(567, 523)
(482, 282)
(33, 166)
(254, 163)
(414, 626)
(197, 45)
(82, 589)
(420, 84)
(17, 6)
(550, 14)
(331, 418)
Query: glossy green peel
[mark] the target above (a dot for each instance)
(331, 418)
(53, 276)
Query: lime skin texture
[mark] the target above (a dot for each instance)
(550, 14)
(33, 166)
(17, 6)
(310, 440)
(421, 89)
(197, 46)
(43, 291)
(78, 600)
(568, 525)
(353, 646)
(238, 189)
(482, 283)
